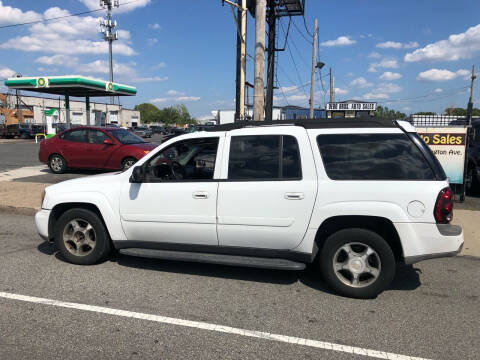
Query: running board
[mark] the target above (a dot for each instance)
(221, 259)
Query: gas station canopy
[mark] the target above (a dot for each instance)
(70, 85)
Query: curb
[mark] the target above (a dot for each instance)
(18, 210)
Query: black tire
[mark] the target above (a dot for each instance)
(57, 164)
(472, 185)
(92, 255)
(128, 163)
(387, 262)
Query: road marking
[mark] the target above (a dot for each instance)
(213, 327)
(23, 172)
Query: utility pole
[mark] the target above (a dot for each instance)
(108, 35)
(470, 100)
(314, 68)
(17, 94)
(332, 88)
(259, 66)
(241, 22)
(272, 23)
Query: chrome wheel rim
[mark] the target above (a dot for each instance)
(128, 164)
(357, 265)
(56, 163)
(79, 237)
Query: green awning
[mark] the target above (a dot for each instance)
(73, 85)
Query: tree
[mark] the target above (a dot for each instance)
(148, 112)
(425, 113)
(461, 111)
(386, 113)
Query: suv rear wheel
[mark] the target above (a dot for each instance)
(81, 237)
(357, 263)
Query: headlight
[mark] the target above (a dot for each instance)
(43, 197)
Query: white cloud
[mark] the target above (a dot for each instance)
(340, 91)
(374, 55)
(441, 75)
(405, 108)
(176, 99)
(384, 63)
(456, 47)
(10, 15)
(375, 96)
(149, 79)
(125, 5)
(152, 41)
(5, 72)
(56, 59)
(175, 93)
(299, 97)
(187, 98)
(155, 26)
(350, 74)
(159, 100)
(389, 76)
(360, 82)
(438, 90)
(159, 66)
(288, 89)
(387, 88)
(340, 41)
(397, 45)
(80, 34)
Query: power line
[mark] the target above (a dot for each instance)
(422, 97)
(306, 27)
(301, 33)
(61, 17)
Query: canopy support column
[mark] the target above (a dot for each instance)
(87, 104)
(67, 110)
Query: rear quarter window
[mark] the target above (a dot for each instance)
(373, 157)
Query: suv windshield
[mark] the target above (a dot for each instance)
(126, 137)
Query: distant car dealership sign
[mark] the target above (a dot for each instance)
(336, 106)
(448, 145)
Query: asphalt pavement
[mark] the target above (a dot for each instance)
(430, 311)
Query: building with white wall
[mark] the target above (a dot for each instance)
(100, 113)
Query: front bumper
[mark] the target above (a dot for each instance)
(41, 222)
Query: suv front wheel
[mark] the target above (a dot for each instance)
(81, 237)
(357, 263)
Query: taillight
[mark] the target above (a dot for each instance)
(443, 212)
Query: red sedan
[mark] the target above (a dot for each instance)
(93, 148)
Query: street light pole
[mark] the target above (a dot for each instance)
(259, 66)
(108, 34)
(314, 68)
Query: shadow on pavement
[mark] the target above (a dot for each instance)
(406, 276)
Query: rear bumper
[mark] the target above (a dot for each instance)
(422, 241)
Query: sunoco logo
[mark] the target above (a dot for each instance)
(109, 87)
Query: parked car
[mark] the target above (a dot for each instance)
(90, 147)
(24, 131)
(174, 132)
(3, 130)
(142, 131)
(158, 129)
(351, 197)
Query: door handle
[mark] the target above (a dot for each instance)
(294, 196)
(200, 195)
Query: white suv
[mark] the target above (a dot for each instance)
(353, 197)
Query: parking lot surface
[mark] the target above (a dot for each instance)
(430, 311)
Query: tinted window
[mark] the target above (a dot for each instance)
(75, 135)
(97, 137)
(373, 157)
(192, 159)
(264, 157)
(126, 137)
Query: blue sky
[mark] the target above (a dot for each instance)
(409, 55)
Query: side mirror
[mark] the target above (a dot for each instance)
(138, 174)
(108, 142)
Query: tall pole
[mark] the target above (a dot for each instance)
(314, 68)
(108, 35)
(470, 100)
(241, 60)
(259, 66)
(272, 19)
(332, 88)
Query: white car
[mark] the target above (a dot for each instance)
(353, 197)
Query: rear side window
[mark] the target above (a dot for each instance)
(373, 157)
(264, 157)
(75, 135)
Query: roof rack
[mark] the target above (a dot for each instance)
(324, 123)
